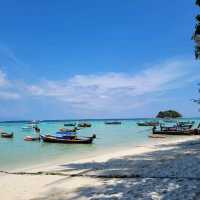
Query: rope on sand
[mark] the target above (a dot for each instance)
(82, 174)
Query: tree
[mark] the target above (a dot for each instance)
(197, 100)
(196, 35)
(196, 38)
(168, 114)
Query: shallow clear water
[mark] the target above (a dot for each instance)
(16, 152)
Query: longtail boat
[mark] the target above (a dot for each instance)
(114, 122)
(30, 138)
(186, 124)
(70, 124)
(68, 130)
(148, 123)
(75, 140)
(84, 125)
(27, 128)
(175, 131)
(7, 135)
(66, 135)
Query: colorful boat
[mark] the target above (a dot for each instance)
(75, 140)
(66, 135)
(30, 138)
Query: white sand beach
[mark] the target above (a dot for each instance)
(164, 169)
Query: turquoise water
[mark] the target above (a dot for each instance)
(16, 152)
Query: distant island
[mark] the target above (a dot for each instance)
(168, 114)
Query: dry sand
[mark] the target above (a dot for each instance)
(168, 169)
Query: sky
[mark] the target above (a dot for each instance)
(97, 59)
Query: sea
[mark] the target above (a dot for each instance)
(16, 153)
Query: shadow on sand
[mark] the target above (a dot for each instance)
(171, 173)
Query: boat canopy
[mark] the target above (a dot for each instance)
(66, 133)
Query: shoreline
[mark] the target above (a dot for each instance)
(143, 147)
(70, 176)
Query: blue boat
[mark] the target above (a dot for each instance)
(68, 135)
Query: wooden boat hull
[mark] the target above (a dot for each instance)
(84, 125)
(53, 139)
(186, 126)
(69, 124)
(148, 124)
(178, 132)
(113, 123)
(7, 135)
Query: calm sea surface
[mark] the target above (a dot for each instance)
(16, 152)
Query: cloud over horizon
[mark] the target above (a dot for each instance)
(109, 90)
(6, 88)
(105, 92)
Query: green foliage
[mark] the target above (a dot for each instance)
(168, 114)
(197, 52)
(197, 32)
(197, 29)
(197, 100)
(198, 2)
(198, 18)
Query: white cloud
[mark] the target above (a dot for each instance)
(108, 92)
(3, 80)
(6, 88)
(5, 95)
(117, 90)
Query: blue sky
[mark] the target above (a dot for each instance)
(96, 59)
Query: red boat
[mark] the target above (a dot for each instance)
(30, 138)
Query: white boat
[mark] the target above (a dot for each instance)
(34, 122)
